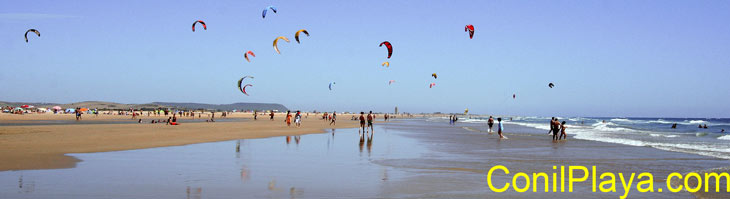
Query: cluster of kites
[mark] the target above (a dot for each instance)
(250, 54)
(469, 28)
(390, 53)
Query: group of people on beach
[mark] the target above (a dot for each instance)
(557, 127)
(453, 119)
(500, 127)
(490, 123)
(332, 118)
(369, 119)
(288, 120)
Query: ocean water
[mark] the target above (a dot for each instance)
(649, 132)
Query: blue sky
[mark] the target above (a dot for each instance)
(607, 58)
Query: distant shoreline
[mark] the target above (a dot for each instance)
(101, 105)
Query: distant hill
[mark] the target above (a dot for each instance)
(14, 104)
(228, 107)
(154, 105)
(110, 105)
(87, 104)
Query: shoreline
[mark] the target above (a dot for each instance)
(465, 156)
(33, 147)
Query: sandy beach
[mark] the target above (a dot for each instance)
(43, 146)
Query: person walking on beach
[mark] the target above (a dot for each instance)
(562, 132)
(298, 119)
(490, 123)
(362, 123)
(370, 122)
(255, 115)
(78, 114)
(288, 118)
(500, 128)
(334, 118)
(271, 115)
(451, 119)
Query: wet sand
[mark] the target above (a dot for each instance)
(326, 165)
(44, 146)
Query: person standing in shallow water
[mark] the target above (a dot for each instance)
(556, 131)
(370, 122)
(490, 123)
(562, 132)
(362, 122)
(500, 128)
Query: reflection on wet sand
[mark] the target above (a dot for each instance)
(297, 138)
(245, 174)
(331, 140)
(25, 187)
(368, 142)
(196, 193)
(272, 185)
(281, 171)
(294, 192)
